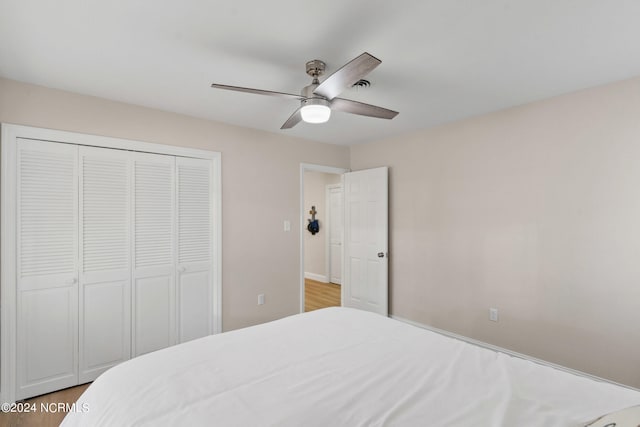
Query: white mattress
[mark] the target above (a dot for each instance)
(340, 367)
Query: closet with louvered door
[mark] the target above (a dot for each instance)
(105, 267)
(47, 267)
(154, 303)
(195, 256)
(108, 254)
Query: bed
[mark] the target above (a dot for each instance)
(340, 367)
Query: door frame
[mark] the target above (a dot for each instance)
(310, 167)
(330, 223)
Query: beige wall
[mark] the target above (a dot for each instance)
(315, 184)
(534, 210)
(260, 186)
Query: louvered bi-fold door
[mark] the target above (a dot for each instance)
(47, 270)
(195, 289)
(154, 253)
(105, 270)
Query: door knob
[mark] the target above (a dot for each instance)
(71, 281)
(380, 254)
(182, 269)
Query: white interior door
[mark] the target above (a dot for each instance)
(47, 269)
(195, 254)
(335, 233)
(366, 240)
(105, 268)
(153, 296)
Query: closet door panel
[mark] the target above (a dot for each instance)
(105, 329)
(105, 278)
(195, 285)
(195, 305)
(154, 252)
(47, 289)
(153, 325)
(48, 337)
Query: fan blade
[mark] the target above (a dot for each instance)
(258, 91)
(355, 107)
(346, 76)
(293, 120)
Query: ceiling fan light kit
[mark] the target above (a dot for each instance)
(318, 99)
(315, 110)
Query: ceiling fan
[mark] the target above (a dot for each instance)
(318, 99)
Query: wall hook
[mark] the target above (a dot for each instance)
(314, 225)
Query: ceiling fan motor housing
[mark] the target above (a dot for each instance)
(307, 92)
(316, 101)
(311, 98)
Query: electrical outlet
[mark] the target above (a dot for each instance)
(261, 299)
(493, 314)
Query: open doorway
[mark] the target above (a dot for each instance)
(321, 246)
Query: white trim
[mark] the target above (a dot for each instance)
(316, 277)
(217, 242)
(510, 352)
(304, 167)
(9, 134)
(106, 141)
(327, 240)
(8, 265)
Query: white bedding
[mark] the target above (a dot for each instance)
(340, 367)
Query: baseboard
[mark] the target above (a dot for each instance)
(509, 352)
(316, 277)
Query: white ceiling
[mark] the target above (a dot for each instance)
(442, 60)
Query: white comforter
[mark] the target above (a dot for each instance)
(340, 367)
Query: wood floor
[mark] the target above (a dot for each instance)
(320, 295)
(40, 417)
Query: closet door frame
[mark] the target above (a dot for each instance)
(9, 133)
